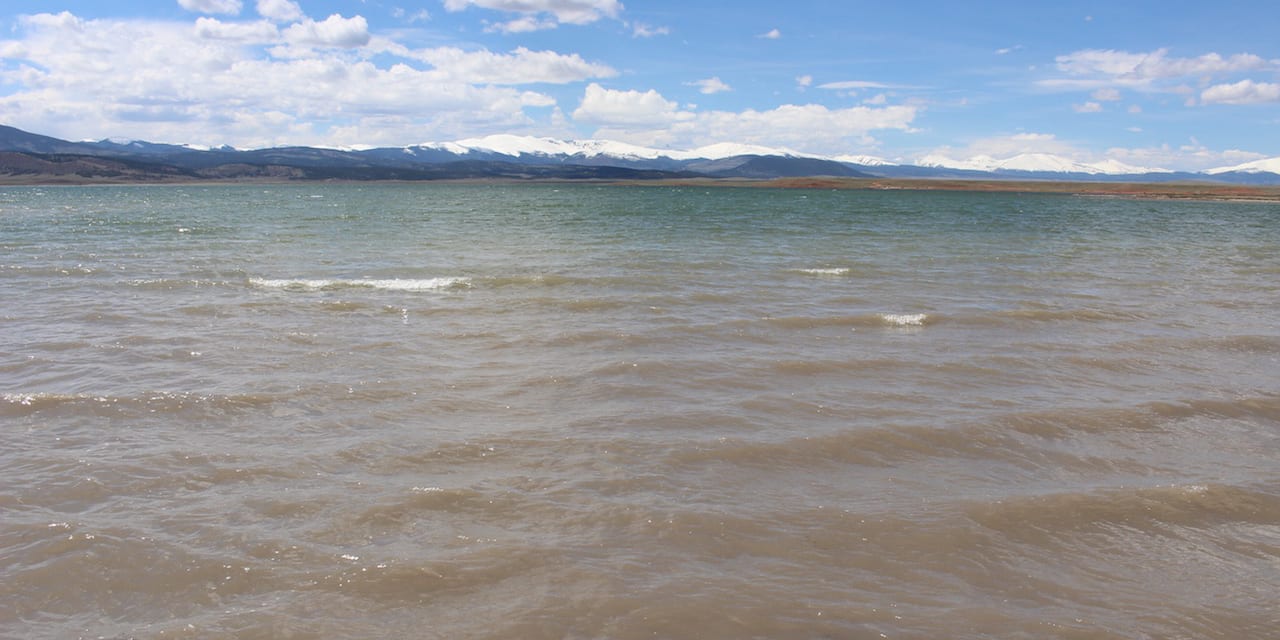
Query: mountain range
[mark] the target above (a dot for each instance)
(32, 157)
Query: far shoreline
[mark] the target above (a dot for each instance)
(1135, 190)
(1203, 191)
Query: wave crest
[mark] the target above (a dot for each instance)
(386, 284)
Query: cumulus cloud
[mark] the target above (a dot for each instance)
(1242, 92)
(1012, 145)
(247, 32)
(563, 11)
(650, 119)
(1188, 157)
(228, 7)
(710, 85)
(198, 83)
(1088, 107)
(626, 108)
(772, 34)
(521, 66)
(64, 21)
(280, 10)
(334, 31)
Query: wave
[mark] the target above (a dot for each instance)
(877, 446)
(386, 284)
(1071, 315)
(174, 283)
(864, 320)
(1142, 508)
(1027, 439)
(20, 404)
(905, 319)
(832, 271)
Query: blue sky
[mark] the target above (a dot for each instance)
(1178, 85)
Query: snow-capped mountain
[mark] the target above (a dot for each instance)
(1266, 165)
(520, 157)
(516, 146)
(864, 160)
(1034, 162)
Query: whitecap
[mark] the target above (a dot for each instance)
(905, 319)
(835, 271)
(388, 284)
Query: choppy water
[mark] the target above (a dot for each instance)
(610, 412)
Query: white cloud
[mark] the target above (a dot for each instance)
(1088, 107)
(1102, 62)
(710, 85)
(564, 11)
(1108, 68)
(521, 66)
(527, 24)
(1242, 92)
(626, 108)
(196, 82)
(1190, 157)
(772, 34)
(795, 126)
(334, 31)
(648, 118)
(422, 15)
(280, 10)
(261, 32)
(846, 85)
(1008, 50)
(228, 7)
(1009, 146)
(64, 21)
(641, 30)
(804, 81)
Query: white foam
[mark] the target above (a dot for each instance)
(840, 271)
(393, 284)
(905, 319)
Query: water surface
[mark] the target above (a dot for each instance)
(574, 411)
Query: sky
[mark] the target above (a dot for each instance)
(1168, 84)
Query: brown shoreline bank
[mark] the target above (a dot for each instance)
(1140, 190)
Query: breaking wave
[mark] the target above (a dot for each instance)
(391, 284)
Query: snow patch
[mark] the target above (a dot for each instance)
(515, 146)
(1266, 165)
(1034, 162)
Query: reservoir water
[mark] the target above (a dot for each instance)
(582, 411)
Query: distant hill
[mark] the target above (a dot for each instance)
(32, 158)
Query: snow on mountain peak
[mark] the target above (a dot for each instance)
(1034, 162)
(1265, 165)
(866, 161)
(513, 145)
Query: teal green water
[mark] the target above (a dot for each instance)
(471, 411)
